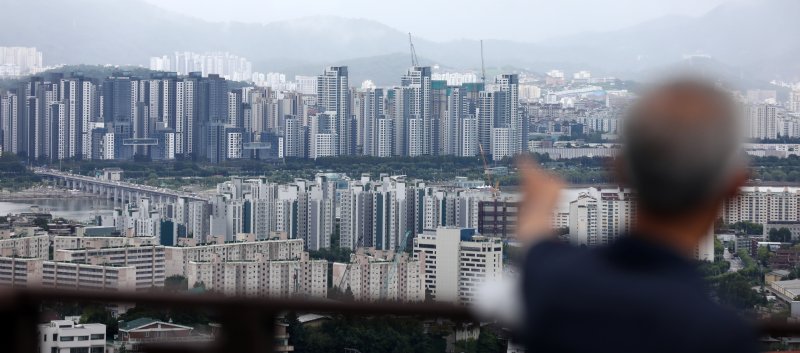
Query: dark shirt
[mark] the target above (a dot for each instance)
(631, 296)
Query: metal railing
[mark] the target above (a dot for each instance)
(247, 324)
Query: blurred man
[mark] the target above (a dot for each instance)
(641, 293)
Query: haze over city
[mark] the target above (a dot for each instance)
(518, 20)
(413, 176)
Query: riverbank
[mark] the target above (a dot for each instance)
(43, 193)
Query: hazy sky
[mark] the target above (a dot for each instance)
(528, 20)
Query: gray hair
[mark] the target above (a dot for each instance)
(682, 143)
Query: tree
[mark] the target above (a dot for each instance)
(41, 223)
(488, 342)
(783, 235)
(749, 228)
(336, 293)
(99, 314)
(176, 283)
(735, 290)
(763, 255)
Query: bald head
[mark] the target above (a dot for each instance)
(682, 142)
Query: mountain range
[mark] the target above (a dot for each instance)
(755, 38)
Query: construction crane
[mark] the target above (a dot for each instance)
(495, 187)
(483, 68)
(414, 61)
(344, 278)
(393, 269)
(359, 243)
(485, 165)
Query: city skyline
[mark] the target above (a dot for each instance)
(302, 44)
(418, 176)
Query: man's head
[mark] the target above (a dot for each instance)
(682, 149)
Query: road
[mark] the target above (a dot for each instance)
(736, 263)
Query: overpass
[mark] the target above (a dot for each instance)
(115, 190)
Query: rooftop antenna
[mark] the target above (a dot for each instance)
(414, 61)
(483, 68)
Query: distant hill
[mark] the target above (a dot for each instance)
(755, 38)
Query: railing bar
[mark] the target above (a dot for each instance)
(252, 304)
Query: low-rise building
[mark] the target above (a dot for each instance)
(149, 261)
(34, 245)
(785, 258)
(786, 290)
(66, 336)
(92, 242)
(178, 257)
(30, 272)
(792, 226)
(134, 333)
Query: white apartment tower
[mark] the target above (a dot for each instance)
(333, 94)
(457, 261)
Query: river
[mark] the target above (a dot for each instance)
(82, 209)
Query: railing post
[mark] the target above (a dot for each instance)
(243, 330)
(23, 326)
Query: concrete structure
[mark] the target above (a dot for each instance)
(763, 204)
(497, 217)
(260, 277)
(599, 216)
(376, 275)
(785, 290)
(792, 226)
(115, 190)
(333, 95)
(134, 333)
(457, 261)
(35, 244)
(89, 242)
(178, 257)
(23, 273)
(66, 336)
(148, 261)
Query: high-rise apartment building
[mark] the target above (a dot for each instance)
(416, 101)
(375, 275)
(457, 262)
(20, 61)
(762, 121)
(333, 95)
(259, 277)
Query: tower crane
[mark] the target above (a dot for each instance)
(359, 243)
(414, 60)
(495, 187)
(483, 68)
(393, 268)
